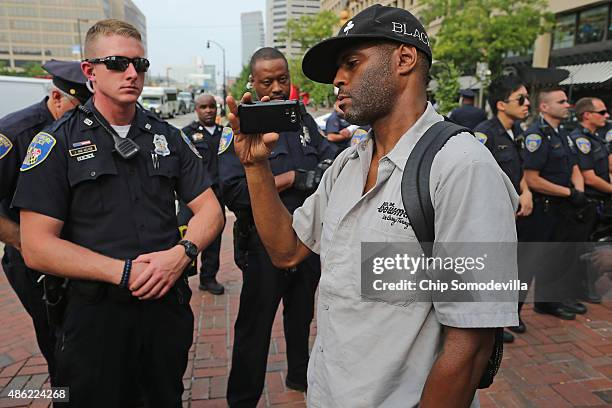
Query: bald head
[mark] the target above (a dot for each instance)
(206, 109)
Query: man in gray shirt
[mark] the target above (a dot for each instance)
(368, 354)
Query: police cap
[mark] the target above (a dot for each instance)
(467, 93)
(375, 22)
(68, 77)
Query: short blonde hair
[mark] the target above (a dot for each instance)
(105, 28)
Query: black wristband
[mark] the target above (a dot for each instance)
(125, 277)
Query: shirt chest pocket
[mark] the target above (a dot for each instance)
(504, 153)
(91, 183)
(558, 157)
(280, 161)
(164, 172)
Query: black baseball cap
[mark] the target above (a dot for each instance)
(375, 22)
(68, 76)
(467, 93)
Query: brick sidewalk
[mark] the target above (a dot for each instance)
(555, 364)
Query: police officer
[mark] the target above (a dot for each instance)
(205, 135)
(336, 129)
(509, 102)
(96, 193)
(594, 164)
(297, 162)
(16, 132)
(467, 114)
(558, 197)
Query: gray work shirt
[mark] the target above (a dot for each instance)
(376, 354)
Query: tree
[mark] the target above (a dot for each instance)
(447, 79)
(240, 86)
(30, 69)
(308, 31)
(485, 30)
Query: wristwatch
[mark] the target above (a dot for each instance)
(191, 250)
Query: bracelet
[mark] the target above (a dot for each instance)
(125, 277)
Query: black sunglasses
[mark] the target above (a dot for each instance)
(601, 112)
(116, 63)
(520, 100)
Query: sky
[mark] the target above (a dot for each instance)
(177, 31)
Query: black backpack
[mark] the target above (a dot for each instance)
(420, 211)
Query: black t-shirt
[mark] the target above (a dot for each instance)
(116, 207)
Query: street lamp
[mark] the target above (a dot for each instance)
(223, 50)
(85, 20)
(168, 76)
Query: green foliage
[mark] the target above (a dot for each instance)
(320, 94)
(485, 30)
(447, 78)
(31, 69)
(239, 87)
(309, 30)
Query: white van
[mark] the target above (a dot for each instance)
(162, 101)
(23, 92)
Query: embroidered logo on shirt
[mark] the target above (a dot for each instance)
(394, 214)
(481, 137)
(533, 142)
(38, 151)
(5, 145)
(584, 145)
(358, 136)
(226, 139)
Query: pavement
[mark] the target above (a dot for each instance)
(555, 364)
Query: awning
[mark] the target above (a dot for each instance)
(594, 73)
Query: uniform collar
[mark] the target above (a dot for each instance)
(498, 126)
(143, 121)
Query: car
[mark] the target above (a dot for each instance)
(187, 99)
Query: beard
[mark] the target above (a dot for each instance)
(373, 97)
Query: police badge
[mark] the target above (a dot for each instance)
(161, 145)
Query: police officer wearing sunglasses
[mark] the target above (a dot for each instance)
(595, 167)
(97, 192)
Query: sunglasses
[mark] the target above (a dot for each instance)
(601, 112)
(116, 63)
(520, 100)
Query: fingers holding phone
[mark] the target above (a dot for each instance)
(251, 148)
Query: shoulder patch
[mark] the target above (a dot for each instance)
(481, 137)
(38, 151)
(533, 142)
(358, 136)
(609, 136)
(5, 145)
(191, 146)
(584, 145)
(226, 139)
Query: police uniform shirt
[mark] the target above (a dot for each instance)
(549, 152)
(592, 155)
(16, 132)
(303, 149)
(119, 208)
(335, 124)
(208, 146)
(389, 349)
(468, 115)
(505, 149)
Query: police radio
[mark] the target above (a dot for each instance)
(126, 147)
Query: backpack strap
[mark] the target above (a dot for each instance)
(415, 181)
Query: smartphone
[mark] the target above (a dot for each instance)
(273, 116)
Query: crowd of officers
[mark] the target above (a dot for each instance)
(98, 204)
(563, 181)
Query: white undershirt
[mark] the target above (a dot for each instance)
(210, 129)
(122, 131)
(510, 133)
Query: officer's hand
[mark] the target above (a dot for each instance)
(577, 198)
(162, 271)
(525, 204)
(250, 149)
(345, 133)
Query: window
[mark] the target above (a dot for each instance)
(564, 33)
(592, 25)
